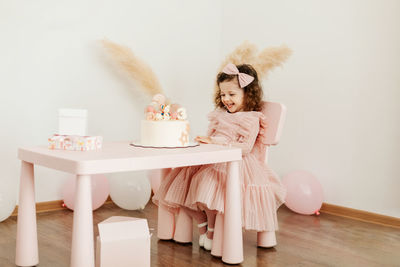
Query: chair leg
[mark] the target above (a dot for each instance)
(166, 223)
(266, 239)
(218, 236)
(183, 227)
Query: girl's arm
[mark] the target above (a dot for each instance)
(246, 143)
(204, 139)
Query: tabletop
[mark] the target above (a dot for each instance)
(121, 156)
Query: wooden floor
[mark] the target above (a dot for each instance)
(325, 240)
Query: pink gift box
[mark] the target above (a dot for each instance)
(75, 142)
(123, 242)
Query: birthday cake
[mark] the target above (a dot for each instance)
(165, 125)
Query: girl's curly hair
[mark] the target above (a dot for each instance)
(252, 93)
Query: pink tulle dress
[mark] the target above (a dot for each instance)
(199, 186)
(174, 188)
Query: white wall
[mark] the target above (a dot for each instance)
(341, 88)
(50, 58)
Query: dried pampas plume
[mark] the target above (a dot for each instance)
(138, 70)
(244, 53)
(270, 58)
(263, 62)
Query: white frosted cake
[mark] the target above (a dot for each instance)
(165, 125)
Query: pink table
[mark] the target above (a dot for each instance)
(115, 157)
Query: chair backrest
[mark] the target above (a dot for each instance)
(275, 114)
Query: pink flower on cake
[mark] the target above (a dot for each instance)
(150, 109)
(155, 105)
(162, 110)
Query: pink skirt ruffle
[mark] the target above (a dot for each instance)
(261, 192)
(174, 187)
(208, 188)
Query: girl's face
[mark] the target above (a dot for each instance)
(232, 95)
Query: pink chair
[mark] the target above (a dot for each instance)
(181, 229)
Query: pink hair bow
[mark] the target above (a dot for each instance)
(243, 78)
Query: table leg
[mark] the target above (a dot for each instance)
(233, 239)
(218, 236)
(82, 250)
(166, 219)
(27, 243)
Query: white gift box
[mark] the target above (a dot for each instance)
(123, 242)
(72, 121)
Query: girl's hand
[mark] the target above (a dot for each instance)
(203, 139)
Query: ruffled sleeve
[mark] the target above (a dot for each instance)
(240, 129)
(262, 135)
(259, 149)
(213, 122)
(248, 127)
(214, 125)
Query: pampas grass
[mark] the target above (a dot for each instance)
(246, 53)
(263, 62)
(137, 69)
(270, 58)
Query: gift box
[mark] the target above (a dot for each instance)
(75, 142)
(123, 242)
(72, 121)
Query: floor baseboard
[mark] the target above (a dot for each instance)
(354, 214)
(360, 215)
(50, 206)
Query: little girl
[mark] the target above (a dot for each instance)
(237, 121)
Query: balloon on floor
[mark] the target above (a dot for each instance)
(304, 192)
(130, 190)
(8, 200)
(100, 191)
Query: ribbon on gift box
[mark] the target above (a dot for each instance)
(75, 142)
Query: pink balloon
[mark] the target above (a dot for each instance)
(100, 191)
(304, 192)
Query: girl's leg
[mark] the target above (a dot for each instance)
(200, 218)
(211, 214)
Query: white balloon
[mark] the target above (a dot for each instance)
(8, 200)
(130, 190)
(155, 177)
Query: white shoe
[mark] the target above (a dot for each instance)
(203, 236)
(208, 242)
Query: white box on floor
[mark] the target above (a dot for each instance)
(72, 121)
(123, 241)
